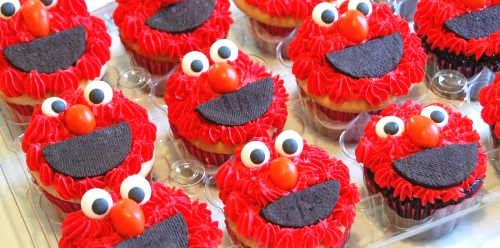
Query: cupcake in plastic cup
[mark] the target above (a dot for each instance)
(267, 37)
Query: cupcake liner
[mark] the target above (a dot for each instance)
(468, 71)
(155, 67)
(61, 208)
(267, 37)
(16, 113)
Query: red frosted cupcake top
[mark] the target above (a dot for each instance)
(383, 146)
(116, 147)
(317, 39)
(297, 9)
(131, 16)
(489, 98)
(249, 186)
(431, 16)
(25, 49)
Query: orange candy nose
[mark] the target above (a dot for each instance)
(223, 78)
(127, 218)
(353, 26)
(36, 18)
(79, 120)
(283, 173)
(474, 4)
(422, 131)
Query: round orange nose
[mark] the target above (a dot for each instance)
(223, 78)
(283, 173)
(353, 26)
(474, 4)
(79, 119)
(127, 218)
(422, 131)
(36, 18)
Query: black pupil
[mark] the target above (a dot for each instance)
(196, 66)
(96, 96)
(363, 8)
(8, 9)
(136, 194)
(100, 206)
(257, 156)
(290, 146)
(437, 116)
(328, 16)
(58, 106)
(224, 52)
(47, 2)
(391, 128)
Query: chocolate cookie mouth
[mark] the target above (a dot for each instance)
(439, 168)
(171, 232)
(478, 24)
(374, 58)
(184, 16)
(237, 108)
(305, 207)
(49, 54)
(90, 155)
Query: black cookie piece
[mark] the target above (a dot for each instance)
(438, 168)
(182, 17)
(478, 24)
(49, 54)
(240, 107)
(170, 233)
(92, 154)
(305, 207)
(374, 58)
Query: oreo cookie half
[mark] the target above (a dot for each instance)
(305, 207)
(439, 168)
(374, 58)
(182, 17)
(92, 154)
(478, 24)
(49, 54)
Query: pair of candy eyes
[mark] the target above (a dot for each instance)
(195, 63)
(96, 93)
(8, 8)
(325, 14)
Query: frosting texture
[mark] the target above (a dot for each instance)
(489, 98)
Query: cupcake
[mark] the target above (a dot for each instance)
(47, 47)
(287, 193)
(159, 32)
(137, 214)
(461, 35)
(489, 99)
(84, 139)
(219, 99)
(357, 58)
(425, 161)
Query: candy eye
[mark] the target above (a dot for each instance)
(8, 8)
(389, 125)
(96, 203)
(325, 14)
(363, 6)
(136, 188)
(194, 63)
(437, 114)
(98, 93)
(223, 50)
(53, 106)
(255, 154)
(289, 144)
(49, 3)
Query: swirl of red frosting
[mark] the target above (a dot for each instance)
(430, 17)
(130, 17)
(80, 231)
(377, 154)
(184, 93)
(44, 130)
(245, 191)
(65, 15)
(489, 98)
(297, 9)
(309, 48)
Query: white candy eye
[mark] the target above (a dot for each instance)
(437, 114)
(194, 64)
(98, 93)
(53, 106)
(49, 3)
(136, 188)
(254, 154)
(289, 144)
(223, 50)
(389, 125)
(8, 8)
(96, 203)
(325, 14)
(363, 6)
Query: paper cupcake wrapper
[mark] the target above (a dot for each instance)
(267, 37)
(61, 208)
(16, 113)
(155, 67)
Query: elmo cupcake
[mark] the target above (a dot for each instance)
(84, 139)
(489, 99)
(286, 193)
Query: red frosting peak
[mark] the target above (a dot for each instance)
(489, 98)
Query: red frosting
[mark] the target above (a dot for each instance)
(377, 154)
(65, 15)
(430, 17)
(297, 9)
(130, 17)
(245, 191)
(313, 42)
(489, 98)
(44, 130)
(80, 231)
(184, 93)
